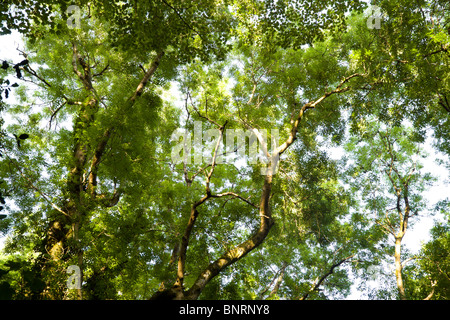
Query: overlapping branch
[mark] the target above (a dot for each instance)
(311, 105)
(266, 221)
(318, 282)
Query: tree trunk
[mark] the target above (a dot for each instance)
(238, 252)
(231, 256)
(398, 266)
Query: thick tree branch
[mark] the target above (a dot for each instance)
(85, 76)
(98, 153)
(241, 250)
(193, 217)
(147, 76)
(431, 294)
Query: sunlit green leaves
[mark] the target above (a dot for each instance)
(249, 64)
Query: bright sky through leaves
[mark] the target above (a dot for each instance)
(88, 180)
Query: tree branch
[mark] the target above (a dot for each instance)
(33, 73)
(213, 163)
(279, 280)
(31, 184)
(235, 195)
(147, 76)
(312, 105)
(319, 282)
(98, 153)
(241, 250)
(278, 277)
(182, 19)
(193, 218)
(431, 294)
(101, 72)
(203, 116)
(54, 114)
(84, 76)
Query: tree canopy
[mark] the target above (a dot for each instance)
(221, 149)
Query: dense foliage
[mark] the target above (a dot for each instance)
(89, 177)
